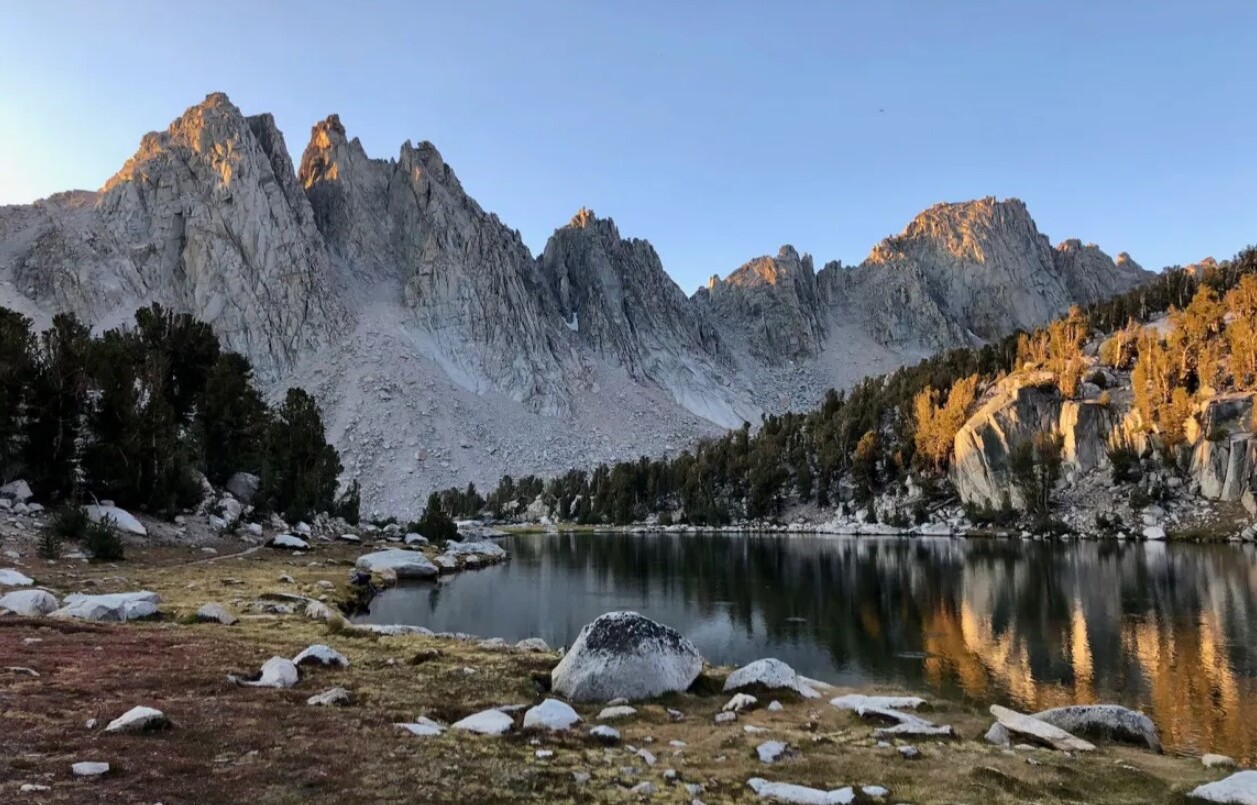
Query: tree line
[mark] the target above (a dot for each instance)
(873, 438)
(137, 414)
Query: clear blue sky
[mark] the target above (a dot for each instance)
(717, 130)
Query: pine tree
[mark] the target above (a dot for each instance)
(59, 387)
(17, 347)
(232, 420)
(300, 469)
(435, 524)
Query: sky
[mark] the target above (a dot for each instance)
(717, 129)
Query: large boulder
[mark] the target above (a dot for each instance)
(772, 674)
(243, 486)
(14, 578)
(122, 519)
(481, 548)
(29, 603)
(118, 607)
(1238, 789)
(1031, 730)
(625, 655)
(1104, 722)
(18, 491)
(405, 564)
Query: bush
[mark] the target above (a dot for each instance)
(1003, 516)
(349, 504)
(49, 545)
(102, 541)
(70, 523)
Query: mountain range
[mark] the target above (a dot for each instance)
(443, 351)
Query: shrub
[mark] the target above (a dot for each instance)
(1001, 516)
(435, 524)
(49, 545)
(69, 523)
(102, 541)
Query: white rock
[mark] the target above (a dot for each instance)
(1028, 727)
(319, 654)
(875, 791)
(857, 702)
(34, 788)
(122, 519)
(769, 673)
(289, 541)
(349, 538)
(1211, 761)
(89, 769)
(486, 722)
(643, 789)
(405, 564)
(607, 735)
(424, 728)
(552, 715)
(12, 578)
(618, 711)
(775, 706)
(119, 607)
(478, 548)
(771, 751)
(253, 529)
(394, 629)
(725, 717)
(533, 644)
(1154, 532)
(332, 697)
(277, 672)
(799, 794)
(1238, 789)
(216, 613)
(18, 491)
(138, 719)
(740, 703)
(1105, 722)
(302, 528)
(622, 654)
(543, 754)
(416, 539)
(29, 603)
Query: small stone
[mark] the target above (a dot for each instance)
(618, 711)
(909, 753)
(533, 644)
(552, 715)
(675, 715)
(647, 757)
(741, 702)
(726, 717)
(1211, 761)
(12, 578)
(33, 788)
(771, 751)
(319, 654)
(486, 722)
(581, 777)
(875, 791)
(216, 613)
(139, 719)
(423, 727)
(332, 697)
(543, 754)
(643, 789)
(605, 734)
(775, 707)
(89, 769)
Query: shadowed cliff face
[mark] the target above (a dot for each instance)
(307, 272)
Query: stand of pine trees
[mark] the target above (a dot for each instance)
(871, 439)
(134, 414)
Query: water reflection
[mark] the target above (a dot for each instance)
(1166, 628)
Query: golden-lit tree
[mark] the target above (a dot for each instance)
(937, 424)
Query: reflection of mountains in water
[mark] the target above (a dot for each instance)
(1168, 628)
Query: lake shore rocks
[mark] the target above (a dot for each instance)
(772, 674)
(1032, 730)
(1104, 722)
(402, 563)
(623, 654)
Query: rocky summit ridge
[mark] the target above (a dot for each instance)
(443, 351)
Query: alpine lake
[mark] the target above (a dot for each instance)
(1170, 629)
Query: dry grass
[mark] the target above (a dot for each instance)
(232, 744)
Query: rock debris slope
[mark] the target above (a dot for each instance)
(443, 351)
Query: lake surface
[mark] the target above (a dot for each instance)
(1171, 629)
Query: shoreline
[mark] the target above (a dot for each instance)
(270, 746)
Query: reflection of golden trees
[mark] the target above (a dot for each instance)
(1187, 681)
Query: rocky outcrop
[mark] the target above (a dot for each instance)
(773, 303)
(1105, 722)
(1012, 413)
(1223, 447)
(614, 296)
(974, 271)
